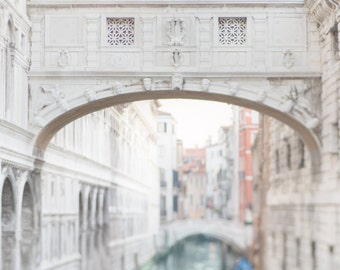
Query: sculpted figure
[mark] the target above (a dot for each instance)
(177, 82)
(147, 83)
(205, 84)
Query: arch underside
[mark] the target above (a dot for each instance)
(272, 97)
(227, 239)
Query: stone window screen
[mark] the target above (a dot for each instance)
(232, 31)
(120, 31)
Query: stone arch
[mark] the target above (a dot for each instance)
(284, 100)
(8, 224)
(235, 246)
(27, 229)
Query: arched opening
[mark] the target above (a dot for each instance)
(278, 107)
(27, 229)
(8, 221)
(207, 251)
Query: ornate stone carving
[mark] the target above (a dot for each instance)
(147, 83)
(176, 32)
(288, 59)
(322, 9)
(121, 31)
(63, 58)
(232, 31)
(176, 58)
(59, 97)
(90, 95)
(117, 88)
(296, 102)
(205, 84)
(48, 97)
(177, 81)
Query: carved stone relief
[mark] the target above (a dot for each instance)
(63, 58)
(48, 97)
(176, 32)
(117, 88)
(288, 59)
(147, 83)
(205, 84)
(176, 58)
(297, 102)
(177, 81)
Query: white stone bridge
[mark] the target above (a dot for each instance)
(237, 235)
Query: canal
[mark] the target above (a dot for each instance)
(196, 253)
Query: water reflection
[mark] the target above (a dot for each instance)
(196, 253)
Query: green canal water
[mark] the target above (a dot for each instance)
(196, 253)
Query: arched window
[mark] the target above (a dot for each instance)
(7, 225)
(27, 229)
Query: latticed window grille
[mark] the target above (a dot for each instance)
(120, 31)
(232, 31)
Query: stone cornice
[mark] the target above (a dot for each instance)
(323, 10)
(52, 3)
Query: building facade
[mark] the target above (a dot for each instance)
(194, 183)
(167, 156)
(61, 60)
(220, 175)
(248, 127)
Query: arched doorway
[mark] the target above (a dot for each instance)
(8, 221)
(27, 229)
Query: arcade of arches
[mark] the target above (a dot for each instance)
(78, 158)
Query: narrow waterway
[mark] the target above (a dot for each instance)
(196, 253)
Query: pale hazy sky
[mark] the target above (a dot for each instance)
(196, 119)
